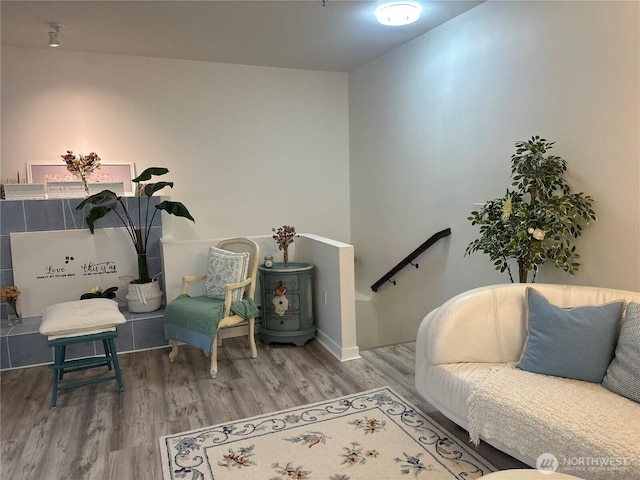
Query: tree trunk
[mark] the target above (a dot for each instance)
(523, 273)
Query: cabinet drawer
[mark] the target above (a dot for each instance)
(285, 323)
(290, 282)
(306, 321)
(294, 302)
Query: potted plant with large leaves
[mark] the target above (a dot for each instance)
(536, 222)
(144, 292)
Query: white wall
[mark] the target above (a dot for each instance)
(249, 148)
(432, 128)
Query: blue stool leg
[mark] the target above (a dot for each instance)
(56, 371)
(116, 365)
(108, 353)
(61, 362)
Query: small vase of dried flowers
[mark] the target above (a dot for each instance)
(82, 165)
(10, 296)
(284, 237)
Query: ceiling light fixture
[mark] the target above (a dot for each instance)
(53, 36)
(398, 13)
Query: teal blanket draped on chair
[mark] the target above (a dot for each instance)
(194, 320)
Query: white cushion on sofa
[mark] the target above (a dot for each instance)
(450, 387)
(573, 419)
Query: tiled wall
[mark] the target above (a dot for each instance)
(21, 345)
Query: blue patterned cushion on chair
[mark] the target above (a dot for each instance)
(623, 374)
(225, 267)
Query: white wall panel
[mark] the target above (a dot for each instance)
(432, 129)
(249, 148)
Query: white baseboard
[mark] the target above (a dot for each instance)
(342, 354)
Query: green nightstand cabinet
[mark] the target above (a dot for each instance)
(287, 303)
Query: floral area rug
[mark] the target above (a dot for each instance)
(372, 435)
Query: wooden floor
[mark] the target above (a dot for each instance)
(97, 433)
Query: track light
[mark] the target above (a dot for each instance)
(53, 36)
(53, 39)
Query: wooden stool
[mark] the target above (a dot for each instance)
(82, 321)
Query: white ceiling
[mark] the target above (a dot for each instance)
(338, 36)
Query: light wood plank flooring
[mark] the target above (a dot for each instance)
(97, 433)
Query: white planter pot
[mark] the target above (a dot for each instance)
(144, 297)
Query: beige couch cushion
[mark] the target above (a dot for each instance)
(449, 387)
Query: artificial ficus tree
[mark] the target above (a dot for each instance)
(537, 220)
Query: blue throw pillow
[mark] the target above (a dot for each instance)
(576, 342)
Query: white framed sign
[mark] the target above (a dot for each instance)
(115, 187)
(23, 191)
(107, 173)
(65, 190)
(76, 189)
(59, 266)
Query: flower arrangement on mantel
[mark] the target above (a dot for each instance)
(82, 165)
(284, 237)
(537, 221)
(10, 296)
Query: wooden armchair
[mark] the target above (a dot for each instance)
(197, 321)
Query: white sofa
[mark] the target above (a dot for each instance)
(484, 328)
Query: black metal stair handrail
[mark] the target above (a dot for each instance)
(409, 259)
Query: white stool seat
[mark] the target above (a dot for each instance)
(80, 317)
